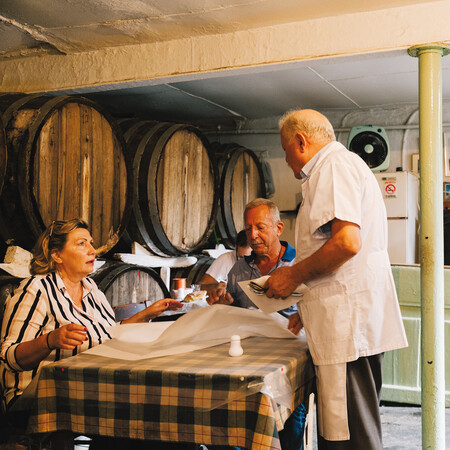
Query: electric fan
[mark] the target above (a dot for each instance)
(371, 144)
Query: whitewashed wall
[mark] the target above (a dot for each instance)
(261, 136)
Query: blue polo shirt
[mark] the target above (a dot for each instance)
(246, 269)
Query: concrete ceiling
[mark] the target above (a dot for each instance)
(39, 28)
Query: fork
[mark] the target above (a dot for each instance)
(261, 290)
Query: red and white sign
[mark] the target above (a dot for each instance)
(390, 188)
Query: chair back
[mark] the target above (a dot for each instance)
(126, 311)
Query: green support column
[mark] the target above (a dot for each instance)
(431, 243)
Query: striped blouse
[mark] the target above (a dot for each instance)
(40, 305)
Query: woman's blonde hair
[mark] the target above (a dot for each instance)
(53, 238)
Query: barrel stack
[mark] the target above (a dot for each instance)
(160, 184)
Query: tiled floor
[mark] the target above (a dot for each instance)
(402, 428)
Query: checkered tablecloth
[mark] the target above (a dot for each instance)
(204, 396)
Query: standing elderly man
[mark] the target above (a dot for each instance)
(350, 312)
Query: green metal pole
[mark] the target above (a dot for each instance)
(431, 243)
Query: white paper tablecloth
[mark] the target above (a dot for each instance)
(198, 329)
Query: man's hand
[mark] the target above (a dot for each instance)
(295, 324)
(219, 295)
(281, 283)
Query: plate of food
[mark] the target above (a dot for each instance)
(195, 296)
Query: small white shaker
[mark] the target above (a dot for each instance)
(235, 346)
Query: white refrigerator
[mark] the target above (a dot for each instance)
(400, 192)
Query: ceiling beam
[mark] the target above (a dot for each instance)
(33, 32)
(349, 34)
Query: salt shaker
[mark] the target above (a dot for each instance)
(235, 346)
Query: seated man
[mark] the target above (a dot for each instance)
(263, 228)
(218, 271)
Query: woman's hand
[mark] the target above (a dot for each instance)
(67, 337)
(30, 353)
(154, 310)
(160, 306)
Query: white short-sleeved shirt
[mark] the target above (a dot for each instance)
(222, 265)
(353, 311)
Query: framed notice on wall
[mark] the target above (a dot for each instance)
(447, 154)
(447, 192)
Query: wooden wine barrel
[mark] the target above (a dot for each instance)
(66, 159)
(175, 185)
(8, 284)
(3, 155)
(241, 181)
(125, 283)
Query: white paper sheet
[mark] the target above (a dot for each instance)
(270, 305)
(198, 329)
(139, 333)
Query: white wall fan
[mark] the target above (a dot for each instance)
(372, 145)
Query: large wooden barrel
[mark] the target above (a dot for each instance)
(66, 159)
(8, 284)
(126, 283)
(241, 181)
(175, 185)
(3, 162)
(3, 155)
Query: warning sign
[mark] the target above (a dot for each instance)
(390, 189)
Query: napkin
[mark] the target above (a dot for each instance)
(255, 291)
(17, 262)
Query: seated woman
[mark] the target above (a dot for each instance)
(57, 312)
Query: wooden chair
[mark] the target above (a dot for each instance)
(130, 309)
(122, 312)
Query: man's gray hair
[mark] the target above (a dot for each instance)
(274, 211)
(316, 126)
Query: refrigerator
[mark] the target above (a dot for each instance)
(400, 192)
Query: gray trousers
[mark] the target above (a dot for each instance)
(363, 398)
